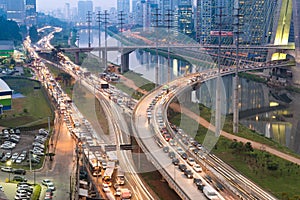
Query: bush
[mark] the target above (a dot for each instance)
(36, 192)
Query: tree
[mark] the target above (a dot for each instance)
(248, 147)
(33, 34)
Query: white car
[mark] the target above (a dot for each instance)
(197, 168)
(191, 161)
(105, 188)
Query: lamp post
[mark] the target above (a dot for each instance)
(8, 163)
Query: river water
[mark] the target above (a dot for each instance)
(279, 110)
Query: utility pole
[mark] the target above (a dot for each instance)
(169, 20)
(105, 26)
(156, 21)
(236, 78)
(98, 20)
(89, 20)
(121, 19)
(121, 23)
(218, 86)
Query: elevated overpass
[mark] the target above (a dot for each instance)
(147, 134)
(126, 50)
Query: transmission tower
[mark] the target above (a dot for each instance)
(237, 33)
(121, 19)
(169, 21)
(105, 18)
(98, 20)
(89, 20)
(218, 86)
(156, 22)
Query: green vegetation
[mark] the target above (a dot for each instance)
(65, 80)
(34, 36)
(11, 31)
(272, 173)
(31, 110)
(252, 77)
(139, 81)
(90, 107)
(36, 192)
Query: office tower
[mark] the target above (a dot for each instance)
(67, 12)
(3, 7)
(124, 6)
(83, 8)
(204, 19)
(167, 7)
(185, 17)
(256, 20)
(16, 11)
(31, 13)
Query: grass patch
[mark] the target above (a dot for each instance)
(131, 92)
(140, 81)
(90, 107)
(252, 77)
(31, 110)
(276, 175)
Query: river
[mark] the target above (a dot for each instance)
(279, 110)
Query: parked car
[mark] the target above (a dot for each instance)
(19, 171)
(19, 178)
(7, 169)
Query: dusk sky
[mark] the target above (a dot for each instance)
(54, 4)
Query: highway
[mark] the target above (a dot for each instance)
(148, 135)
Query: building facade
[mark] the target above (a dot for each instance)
(31, 14)
(83, 8)
(16, 11)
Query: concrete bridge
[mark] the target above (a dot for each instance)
(126, 50)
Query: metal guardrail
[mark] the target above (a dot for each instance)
(181, 193)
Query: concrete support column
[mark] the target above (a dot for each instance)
(77, 58)
(124, 62)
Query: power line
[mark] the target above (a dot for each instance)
(237, 33)
(169, 21)
(98, 20)
(156, 21)
(105, 26)
(89, 20)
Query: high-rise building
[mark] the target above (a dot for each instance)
(185, 17)
(256, 21)
(67, 11)
(124, 6)
(16, 11)
(31, 13)
(204, 18)
(168, 10)
(3, 7)
(83, 8)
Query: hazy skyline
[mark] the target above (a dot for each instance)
(43, 5)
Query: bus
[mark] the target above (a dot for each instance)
(92, 162)
(107, 176)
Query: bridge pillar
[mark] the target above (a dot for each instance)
(76, 58)
(124, 62)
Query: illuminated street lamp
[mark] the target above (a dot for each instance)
(8, 163)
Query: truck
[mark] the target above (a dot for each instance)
(107, 176)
